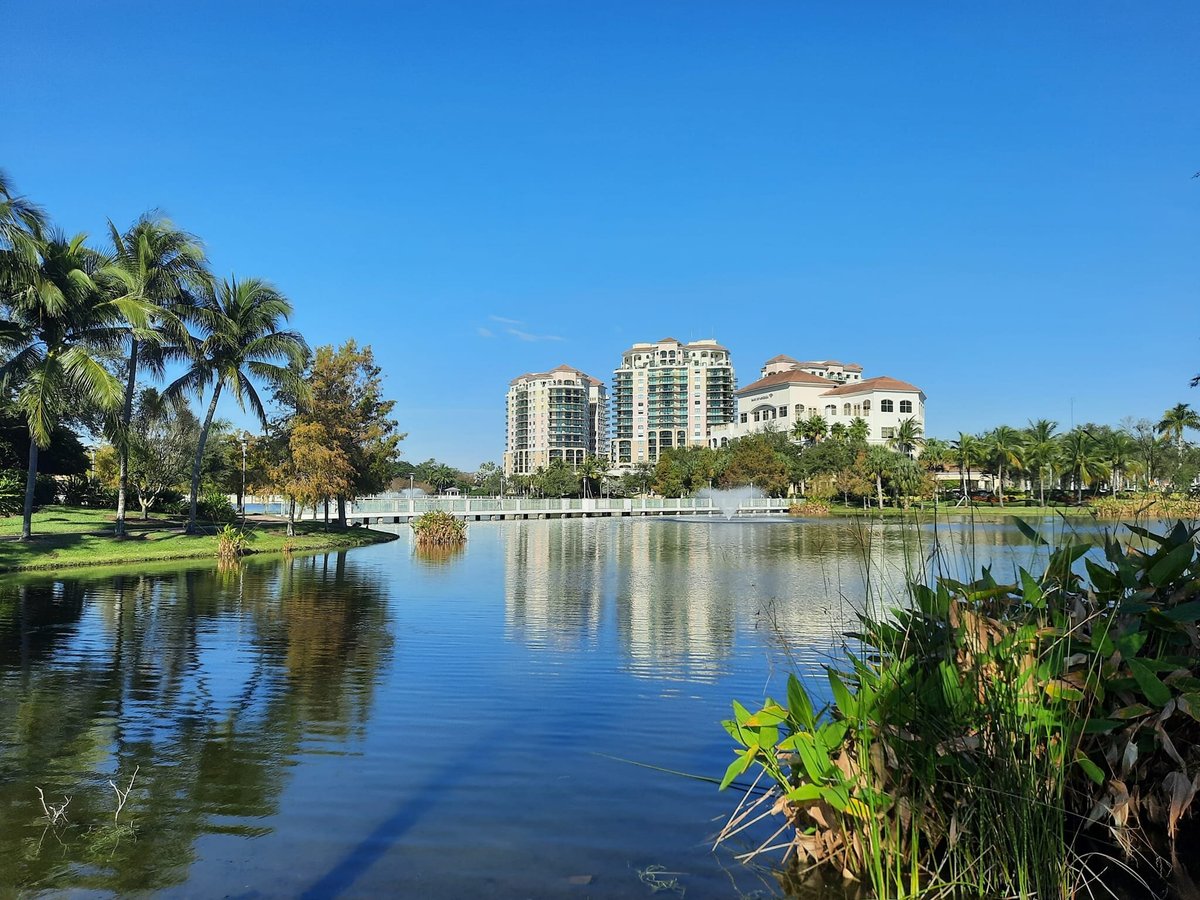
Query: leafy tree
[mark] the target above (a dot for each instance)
(153, 264)
(968, 451)
(757, 459)
(161, 436)
(591, 472)
(345, 396)
(1119, 451)
(57, 324)
(489, 477)
(879, 463)
(811, 430)
(556, 480)
(242, 342)
(316, 467)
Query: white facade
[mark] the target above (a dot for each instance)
(668, 394)
(557, 415)
(788, 392)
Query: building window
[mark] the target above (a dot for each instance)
(886, 433)
(799, 410)
(831, 410)
(783, 412)
(905, 406)
(885, 406)
(858, 409)
(742, 418)
(866, 407)
(757, 417)
(846, 409)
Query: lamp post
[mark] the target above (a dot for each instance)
(245, 436)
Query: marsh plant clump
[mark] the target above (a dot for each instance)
(232, 543)
(439, 529)
(996, 739)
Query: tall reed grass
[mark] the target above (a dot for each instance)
(994, 739)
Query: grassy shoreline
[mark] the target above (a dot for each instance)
(73, 538)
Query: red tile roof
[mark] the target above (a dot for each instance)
(531, 376)
(776, 379)
(879, 383)
(780, 358)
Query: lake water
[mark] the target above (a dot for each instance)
(374, 723)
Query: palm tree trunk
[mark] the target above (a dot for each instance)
(212, 409)
(879, 489)
(1000, 485)
(123, 438)
(30, 484)
(1041, 486)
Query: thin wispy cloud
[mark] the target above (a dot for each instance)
(504, 321)
(484, 332)
(526, 336)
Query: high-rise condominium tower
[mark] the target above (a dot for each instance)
(560, 414)
(669, 394)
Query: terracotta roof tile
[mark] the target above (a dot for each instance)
(792, 376)
(878, 383)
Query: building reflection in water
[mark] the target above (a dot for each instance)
(675, 593)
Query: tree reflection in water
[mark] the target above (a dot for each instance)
(208, 682)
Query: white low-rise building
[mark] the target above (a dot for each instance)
(790, 391)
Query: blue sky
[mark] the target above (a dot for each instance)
(992, 201)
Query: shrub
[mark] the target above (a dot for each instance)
(213, 506)
(232, 542)
(12, 492)
(809, 508)
(439, 529)
(976, 734)
(79, 490)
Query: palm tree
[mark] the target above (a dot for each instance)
(968, 450)
(811, 430)
(1119, 451)
(934, 456)
(1004, 447)
(592, 469)
(858, 431)
(880, 461)
(1176, 420)
(57, 320)
(242, 342)
(22, 225)
(907, 437)
(1080, 456)
(1041, 452)
(153, 263)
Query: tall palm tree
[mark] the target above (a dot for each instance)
(1081, 458)
(242, 341)
(968, 450)
(56, 321)
(592, 469)
(22, 224)
(880, 462)
(1041, 452)
(1005, 448)
(858, 431)
(1176, 420)
(907, 437)
(155, 263)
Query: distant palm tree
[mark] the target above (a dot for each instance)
(811, 430)
(1004, 447)
(242, 342)
(907, 437)
(1041, 452)
(155, 264)
(22, 226)
(1119, 451)
(880, 463)
(858, 431)
(968, 450)
(57, 323)
(1176, 420)
(838, 431)
(1081, 458)
(592, 470)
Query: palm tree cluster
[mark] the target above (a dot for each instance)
(79, 324)
(1139, 455)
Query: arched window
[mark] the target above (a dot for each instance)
(831, 410)
(866, 407)
(799, 410)
(846, 409)
(885, 406)
(905, 406)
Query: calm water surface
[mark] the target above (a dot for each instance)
(374, 723)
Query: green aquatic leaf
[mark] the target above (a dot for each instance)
(1152, 687)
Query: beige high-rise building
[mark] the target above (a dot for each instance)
(560, 414)
(667, 394)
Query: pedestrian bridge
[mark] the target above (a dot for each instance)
(393, 510)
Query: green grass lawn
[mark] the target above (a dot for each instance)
(67, 536)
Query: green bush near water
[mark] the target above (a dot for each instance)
(982, 733)
(439, 529)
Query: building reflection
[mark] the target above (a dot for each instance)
(208, 683)
(554, 578)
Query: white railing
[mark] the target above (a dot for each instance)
(384, 505)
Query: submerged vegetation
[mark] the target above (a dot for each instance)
(993, 739)
(439, 529)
